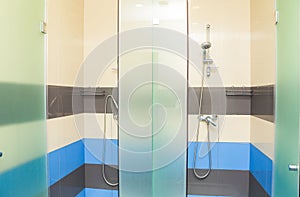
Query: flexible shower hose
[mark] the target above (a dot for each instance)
(104, 145)
(206, 172)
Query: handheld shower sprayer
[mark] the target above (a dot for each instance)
(206, 45)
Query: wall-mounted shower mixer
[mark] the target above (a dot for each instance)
(209, 119)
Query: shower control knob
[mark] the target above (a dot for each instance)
(1, 154)
(293, 167)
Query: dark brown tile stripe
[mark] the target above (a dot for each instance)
(235, 105)
(262, 102)
(60, 101)
(255, 189)
(65, 101)
(94, 179)
(220, 182)
(71, 185)
(257, 101)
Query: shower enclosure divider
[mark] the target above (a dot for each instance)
(153, 80)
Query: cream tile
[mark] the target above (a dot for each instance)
(263, 42)
(230, 38)
(61, 132)
(235, 128)
(94, 126)
(263, 135)
(65, 41)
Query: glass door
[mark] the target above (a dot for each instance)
(286, 177)
(152, 98)
(22, 114)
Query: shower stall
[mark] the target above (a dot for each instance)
(140, 98)
(160, 98)
(167, 104)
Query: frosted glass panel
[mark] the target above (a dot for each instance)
(135, 125)
(170, 100)
(22, 114)
(152, 98)
(286, 183)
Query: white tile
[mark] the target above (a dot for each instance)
(235, 128)
(94, 126)
(263, 135)
(62, 131)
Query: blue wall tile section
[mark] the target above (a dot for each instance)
(93, 151)
(225, 156)
(81, 194)
(97, 193)
(261, 168)
(205, 196)
(25, 180)
(87, 192)
(65, 160)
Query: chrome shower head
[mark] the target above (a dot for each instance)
(205, 45)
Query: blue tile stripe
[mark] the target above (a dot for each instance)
(81, 194)
(261, 168)
(205, 196)
(93, 151)
(88, 192)
(225, 156)
(97, 192)
(65, 160)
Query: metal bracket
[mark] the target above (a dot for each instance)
(43, 27)
(293, 167)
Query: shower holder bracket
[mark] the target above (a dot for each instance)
(209, 68)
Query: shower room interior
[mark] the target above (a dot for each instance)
(236, 161)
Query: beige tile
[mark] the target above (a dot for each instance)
(65, 41)
(94, 126)
(263, 42)
(62, 131)
(263, 135)
(100, 24)
(230, 38)
(235, 128)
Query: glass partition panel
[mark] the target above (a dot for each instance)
(152, 98)
(286, 181)
(169, 98)
(22, 114)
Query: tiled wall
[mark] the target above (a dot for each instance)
(246, 133)
(230, 35)
(65, 53)
(263, 46)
